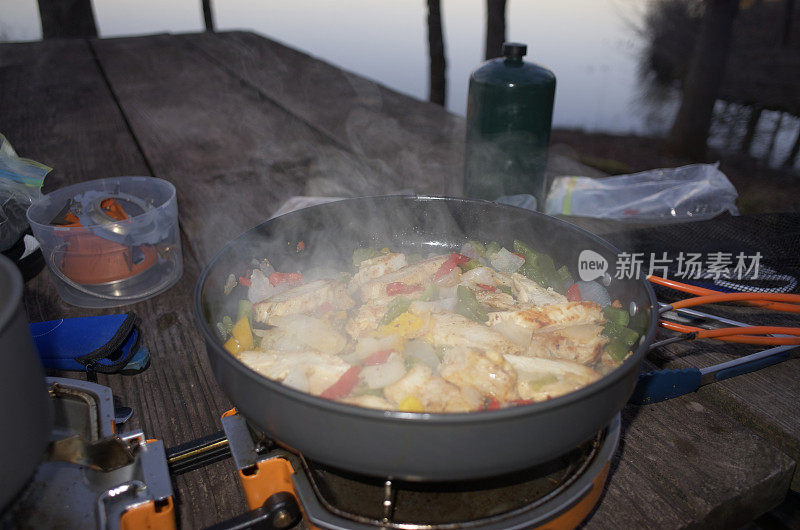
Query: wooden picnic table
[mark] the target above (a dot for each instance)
(239, 124)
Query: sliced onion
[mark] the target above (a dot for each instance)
(260, 288)
(594, 292)
(450, 279)
(517, 334)
(418, 307)
(469, 251)
(422, 351)
(449, 303)
(448, 292)
(366, 346)
(311, 332)
(381, 375)
(483, 275)
(505, 261)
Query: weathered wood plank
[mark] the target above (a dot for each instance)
(420, 142)
(234, 155)
(57, 108)
(684, 464)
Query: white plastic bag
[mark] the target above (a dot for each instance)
(20, 184)
(688, 193)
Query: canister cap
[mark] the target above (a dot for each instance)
(514, 50)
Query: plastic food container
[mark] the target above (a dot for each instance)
(110, 242)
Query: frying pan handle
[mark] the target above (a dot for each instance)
(667, 384)
(661, 385)
(751, 363)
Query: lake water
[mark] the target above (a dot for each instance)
(590, 45)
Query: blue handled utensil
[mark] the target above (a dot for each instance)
(667, 384)
(661, 385)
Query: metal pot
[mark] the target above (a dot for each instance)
(413, 446)
(27, 412)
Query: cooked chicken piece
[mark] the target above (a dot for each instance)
(376, 267)
(545, 319)
(435, 394)
(296, 332)
(485, 276)
(419, 274)
(450, 329)
(582, 344)
(541, 379)
(496, 300)
(308, 371)
(369, 401)
(530, 292)
(302, 299)
(365, 320)
(465, 367)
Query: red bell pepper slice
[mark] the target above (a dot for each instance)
(379, 357)
(244, 280)
(485, 287)
(455, 260)
(344, 385)
(396, 288)
(573, 294)
(292, 278)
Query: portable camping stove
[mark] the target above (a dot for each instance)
(286, 490)
(93, 477)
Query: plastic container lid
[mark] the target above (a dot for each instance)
(110, 242)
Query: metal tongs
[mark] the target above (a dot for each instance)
(661, 385)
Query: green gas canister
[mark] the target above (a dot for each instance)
(509, 115)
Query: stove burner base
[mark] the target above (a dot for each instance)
(558, 494)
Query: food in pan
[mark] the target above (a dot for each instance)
(482, 328)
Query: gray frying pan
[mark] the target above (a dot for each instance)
(413, 446)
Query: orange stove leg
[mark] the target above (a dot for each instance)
(268, 478)
(150, 516)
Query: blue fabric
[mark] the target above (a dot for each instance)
(60, 342)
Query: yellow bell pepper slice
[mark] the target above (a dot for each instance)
(411, 404)
(404, 325)
(233, 346)
(243, 334)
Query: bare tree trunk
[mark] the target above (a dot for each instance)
(750, 132)
(495, 28)
(208, 17)
(773, 137)
(438, 82)
(790, 158)
(788, 14)
(733, 123)
(700, 88)
(67, 18)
